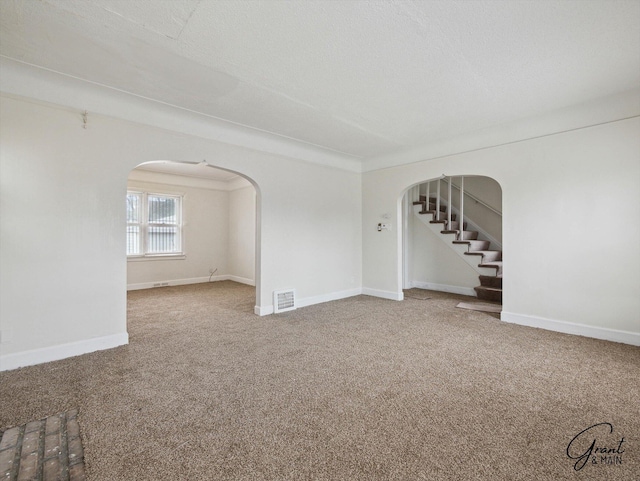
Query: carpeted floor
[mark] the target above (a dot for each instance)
(357, 389)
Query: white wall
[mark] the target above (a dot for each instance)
(63, 276)
(242, 234)
(62, 263)
(205, 237)
(571, 223)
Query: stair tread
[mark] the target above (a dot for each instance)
(487, 255)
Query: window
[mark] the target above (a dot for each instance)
(154, 224)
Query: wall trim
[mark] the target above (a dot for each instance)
(241, 280)
(173, 282)
(263, 310)
(310, 301)
(146, 174)
(61, 351)
(394, 296)
(191, 280)
(612, 108)
(45, 85)
(625, 337)
(464, 291)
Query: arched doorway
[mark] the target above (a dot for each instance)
(190, 223)
(452, 236)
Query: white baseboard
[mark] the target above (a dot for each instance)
(61, 351)
(173, 282)
(191, 280)
(263, 310)
(394, 296)
(241, 280)
(465, 291)
(309, 301)
(625, 337)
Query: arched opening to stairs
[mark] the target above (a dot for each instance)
(191, 223)
(452, 236)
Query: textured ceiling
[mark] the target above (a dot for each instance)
(365, 78)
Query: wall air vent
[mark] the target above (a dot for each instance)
(284, 300)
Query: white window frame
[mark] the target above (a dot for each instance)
(144, 225)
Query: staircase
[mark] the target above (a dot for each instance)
(489, 262)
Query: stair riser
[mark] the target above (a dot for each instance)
(491, 281)
(477, 245)
(491, 296)
(469, 235)
(496, 269)
(455, 225)
(490, 257)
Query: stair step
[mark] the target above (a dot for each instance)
(475, 245)
(454, 229)
(489, 294)
(491, 281)
(430, 211)
(469, 235)
(487, 256)
(495, 264)
(455, 225)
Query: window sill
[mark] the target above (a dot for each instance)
(157, 257)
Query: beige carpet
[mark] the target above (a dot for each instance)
(357, 389)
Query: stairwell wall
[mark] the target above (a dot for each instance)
(434, 265)
(488, 191)
(571, 261)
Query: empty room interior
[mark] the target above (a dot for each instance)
(307, 239)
